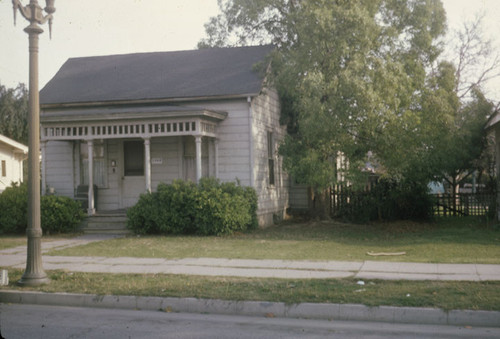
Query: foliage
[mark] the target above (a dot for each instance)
(14, 207)
(14, 113)
(209, 208)
(58, 214)
(349, 73)
(365, 76)
(390, 200)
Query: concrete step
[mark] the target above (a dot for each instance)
(105, 224)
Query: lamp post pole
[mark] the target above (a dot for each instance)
(34, 273)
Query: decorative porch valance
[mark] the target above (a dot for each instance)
(129, 122)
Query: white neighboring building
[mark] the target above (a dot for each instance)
(133, 121)
(12, 155)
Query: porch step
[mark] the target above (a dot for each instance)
(105, 224)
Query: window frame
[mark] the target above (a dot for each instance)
(271, 164)
(98, 159)
(135, 172)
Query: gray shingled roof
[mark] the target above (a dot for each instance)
(161, 75)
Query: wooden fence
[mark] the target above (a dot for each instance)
(464, 204)
(344, 199)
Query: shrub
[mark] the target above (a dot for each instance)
(390, 199)
(58, 214)
(142, 214)
(14, 207)
(207, 208)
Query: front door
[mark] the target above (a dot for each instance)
(133, 180)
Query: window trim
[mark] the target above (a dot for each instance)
(271, 164)
(125, 174)
(103, 160)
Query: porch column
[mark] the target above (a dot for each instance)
(198, 157)
(90, 145)
(147, 163)
(216, 156)
(43, 146)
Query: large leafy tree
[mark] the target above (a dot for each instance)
(14, 113)
(351, 75)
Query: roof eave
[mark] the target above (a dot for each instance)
(132, 115)
(493, 120)
(14, 144)
(63, 105)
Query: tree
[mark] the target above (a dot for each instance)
(350, 74)
(477, 62)
(14, 113)
(462, 140)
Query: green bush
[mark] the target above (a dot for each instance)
(58, 214)
(390, 199)
(14, 207)
(209, 208)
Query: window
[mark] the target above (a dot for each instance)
(133, 155)
(4, 168)
(100, 170)
(270, 157)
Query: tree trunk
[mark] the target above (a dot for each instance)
(319, 203)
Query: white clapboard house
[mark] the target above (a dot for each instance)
(12, 155)
(116, 126)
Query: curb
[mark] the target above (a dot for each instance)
(353, 312)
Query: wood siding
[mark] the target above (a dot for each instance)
(59, 167)
(273, 198)
(11, 167)
(242, 155)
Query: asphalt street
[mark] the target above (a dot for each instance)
(37, 321)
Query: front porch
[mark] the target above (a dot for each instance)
(125, 157)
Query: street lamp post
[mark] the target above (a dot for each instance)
(34, 273)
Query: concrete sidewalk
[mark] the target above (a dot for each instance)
(16, 258)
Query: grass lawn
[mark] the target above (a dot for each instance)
(448, 240)
(12, 241)
(444, 295)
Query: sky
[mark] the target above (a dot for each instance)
(103, 27)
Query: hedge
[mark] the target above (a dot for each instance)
(58, 214)
(390, 199)
(183, 207)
